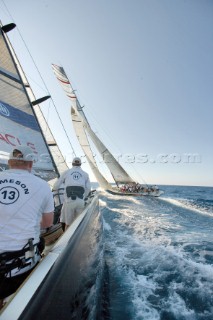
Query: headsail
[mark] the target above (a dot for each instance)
(118, 173)
(19, 119)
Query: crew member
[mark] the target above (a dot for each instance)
(26, 205)
(77, 187)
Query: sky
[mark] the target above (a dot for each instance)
(142, 69)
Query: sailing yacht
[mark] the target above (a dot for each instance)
(22, 123)
(125, 184)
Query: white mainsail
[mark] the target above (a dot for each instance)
(118, 173)
(21, 122)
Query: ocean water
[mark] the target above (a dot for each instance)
(157, 255)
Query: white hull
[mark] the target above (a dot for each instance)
(136, 194)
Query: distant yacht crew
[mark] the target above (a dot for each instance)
(26, 205)
(77, 187)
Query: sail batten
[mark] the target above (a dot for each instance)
(10, 76)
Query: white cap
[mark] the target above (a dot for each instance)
(76, 161)
(23, 153)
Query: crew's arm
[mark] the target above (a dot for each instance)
(59, 181)
(47, 220)
(48, 209)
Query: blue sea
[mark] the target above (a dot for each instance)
(157, 255)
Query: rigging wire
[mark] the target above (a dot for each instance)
(41, 79)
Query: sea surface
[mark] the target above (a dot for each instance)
(157, 256)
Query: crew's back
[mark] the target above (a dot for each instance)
(77, 186)
(23, 197)
(77, 177)
(26, 204)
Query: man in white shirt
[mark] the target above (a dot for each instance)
(76, 187)
(26, 205)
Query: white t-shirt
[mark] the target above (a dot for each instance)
(74, 177)
(23, 199)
